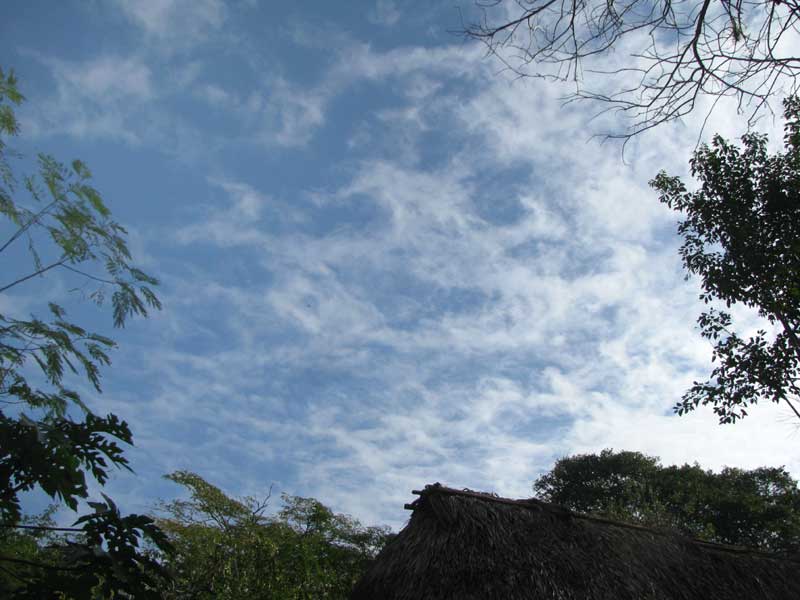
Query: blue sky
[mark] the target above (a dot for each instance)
(384, 261)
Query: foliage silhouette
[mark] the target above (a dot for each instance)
(759, 508)
(49, 439)
(741, 236)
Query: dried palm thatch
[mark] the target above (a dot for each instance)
(467, 545)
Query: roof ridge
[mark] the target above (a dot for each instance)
(535, 503)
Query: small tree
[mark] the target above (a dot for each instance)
(49, 439)
(741, 236)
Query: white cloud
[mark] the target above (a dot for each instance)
(108, 78)
(432, 339)
(299, 114)
(175, 23)
(97, 98)
(215, 95)
(361, 61)
(248, 202)
(606, 342)
(385, 12)
(280, 112)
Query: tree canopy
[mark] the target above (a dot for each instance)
(230, 548)
(49, 439)
(741, 237)
(661, 56)
(759, 508)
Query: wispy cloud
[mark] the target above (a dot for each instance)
(384, 12)
(483, 348)
(473, 288)
(175, 23)
(282, 112)
(101, 97)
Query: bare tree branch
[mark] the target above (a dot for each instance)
(677, 51)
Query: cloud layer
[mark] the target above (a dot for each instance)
(397, 268)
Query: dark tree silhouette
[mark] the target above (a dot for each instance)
(741, 237)
(49, 439)
(755, 508)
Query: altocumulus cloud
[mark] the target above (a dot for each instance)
(452, 341)
(394, 266)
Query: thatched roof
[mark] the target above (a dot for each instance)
(467, 545)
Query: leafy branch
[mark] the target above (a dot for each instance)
(740, 237)
(52, 449)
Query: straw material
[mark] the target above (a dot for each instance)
(468, 545)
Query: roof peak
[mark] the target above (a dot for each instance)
(563, 512)
(438, 488)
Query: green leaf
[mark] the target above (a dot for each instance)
(44, 447)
